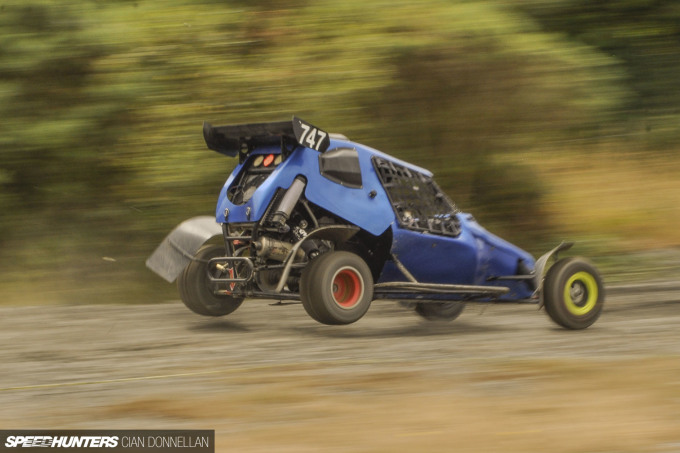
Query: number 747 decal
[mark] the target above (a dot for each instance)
(310, 136)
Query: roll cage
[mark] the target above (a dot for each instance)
(418, 202)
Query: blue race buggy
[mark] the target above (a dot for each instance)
(314, 217)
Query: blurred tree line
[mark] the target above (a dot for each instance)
(101, 105)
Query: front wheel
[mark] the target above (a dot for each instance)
(573, 293)
(198, 292)
(336, 288)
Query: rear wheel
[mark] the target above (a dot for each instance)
(198, 292)
(337, 288)
(440, 311)
(573, 293)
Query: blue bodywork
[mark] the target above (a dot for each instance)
(472, 257)
(356, 206)
(313, 217)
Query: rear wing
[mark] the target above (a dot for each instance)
(238, 139)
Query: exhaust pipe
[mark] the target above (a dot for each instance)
(274, 249)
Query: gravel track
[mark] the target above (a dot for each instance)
(160, 366)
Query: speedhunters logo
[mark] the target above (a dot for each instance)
(62, 441)
(128, 441)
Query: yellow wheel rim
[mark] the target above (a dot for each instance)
(580, 293)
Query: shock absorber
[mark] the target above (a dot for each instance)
(288, 202)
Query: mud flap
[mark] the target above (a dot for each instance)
(179, 247)
(541, 268)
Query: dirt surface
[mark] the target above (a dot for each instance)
(268, 378)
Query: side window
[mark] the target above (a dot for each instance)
(417, 201)
(341, 165)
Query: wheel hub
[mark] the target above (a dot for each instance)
(347, 287)
(578, 293)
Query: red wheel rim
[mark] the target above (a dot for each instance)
(348, 287)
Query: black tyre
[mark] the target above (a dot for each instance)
(336, 288)
(305, 280)
(198, 292)
(444, 311)
(573, 293)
